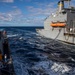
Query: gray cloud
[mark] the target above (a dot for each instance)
(43, 9)
(35, 15)
(10, 16)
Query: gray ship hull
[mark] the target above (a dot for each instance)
(57, 34)
(60, 25)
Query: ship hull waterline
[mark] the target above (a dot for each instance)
(57, 34)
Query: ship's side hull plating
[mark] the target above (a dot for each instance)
(57, 34)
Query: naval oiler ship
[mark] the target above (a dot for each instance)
(61, 24)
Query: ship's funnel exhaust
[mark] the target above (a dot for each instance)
(60, 5)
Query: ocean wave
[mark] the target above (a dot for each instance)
(12, 35)
(35, 55)
(20, 68)
(61, 68)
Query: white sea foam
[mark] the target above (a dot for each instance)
(43, 67)
(63, 68)
(13, 35)
(71, 59)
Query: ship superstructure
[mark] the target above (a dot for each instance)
(60, 25)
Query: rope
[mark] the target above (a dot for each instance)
(57, 35)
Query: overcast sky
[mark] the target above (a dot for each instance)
(26, 12)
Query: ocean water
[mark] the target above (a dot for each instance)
(36, 55)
